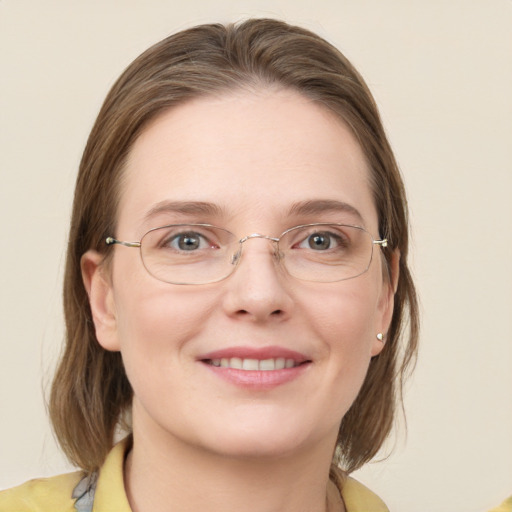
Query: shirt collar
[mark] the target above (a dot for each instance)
(110, 492)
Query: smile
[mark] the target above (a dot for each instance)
(256, 369)
(238, 363)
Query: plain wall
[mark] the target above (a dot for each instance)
(441, 72)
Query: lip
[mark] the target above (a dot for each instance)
(271, 352)
(257, 379)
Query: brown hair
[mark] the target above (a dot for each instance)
(90, 392)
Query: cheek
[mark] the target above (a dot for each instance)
(345, 315)
(344, 318)
(155, 323)
(148, 320)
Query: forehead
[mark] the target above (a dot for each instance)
(252, 154)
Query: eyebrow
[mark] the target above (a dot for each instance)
(301, 208)
(185, 208)
(318, 206)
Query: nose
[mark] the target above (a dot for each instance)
(258, 290)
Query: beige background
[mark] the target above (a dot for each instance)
(441, 72)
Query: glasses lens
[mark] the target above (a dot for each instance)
(188, 253)
(326, 252)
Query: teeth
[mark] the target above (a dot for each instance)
(267, 364)
(235, 362)
(250, 364)
(254, 364)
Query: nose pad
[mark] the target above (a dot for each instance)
(236, 257)
(276, 253)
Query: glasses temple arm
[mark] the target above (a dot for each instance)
(111, 241)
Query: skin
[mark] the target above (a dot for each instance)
(200, 442)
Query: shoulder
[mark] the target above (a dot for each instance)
(42, 495)
(506, 506)
(358, 498)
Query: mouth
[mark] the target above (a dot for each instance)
(256, 368)
(251, 364)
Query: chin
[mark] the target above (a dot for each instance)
(257, 436)
(258, 445)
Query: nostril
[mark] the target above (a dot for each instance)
(277, 312)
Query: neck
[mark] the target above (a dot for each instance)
(163, 474)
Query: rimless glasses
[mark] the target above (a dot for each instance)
(202, 253)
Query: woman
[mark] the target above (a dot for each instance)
(236, 284)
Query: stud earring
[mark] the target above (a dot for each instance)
(380, 336)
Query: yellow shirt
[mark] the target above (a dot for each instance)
(55, 494)
(506, 506)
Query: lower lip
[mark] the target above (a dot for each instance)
(257, 379)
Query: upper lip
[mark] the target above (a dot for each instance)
(260, 353)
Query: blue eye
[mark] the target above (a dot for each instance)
(190, 241)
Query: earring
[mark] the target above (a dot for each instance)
(380, 336)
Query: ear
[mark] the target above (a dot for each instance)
(386, 302)
(98, 285)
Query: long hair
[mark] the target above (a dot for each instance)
(90, 393)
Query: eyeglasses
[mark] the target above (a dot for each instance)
(202, 253)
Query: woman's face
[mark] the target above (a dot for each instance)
(254, 159)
